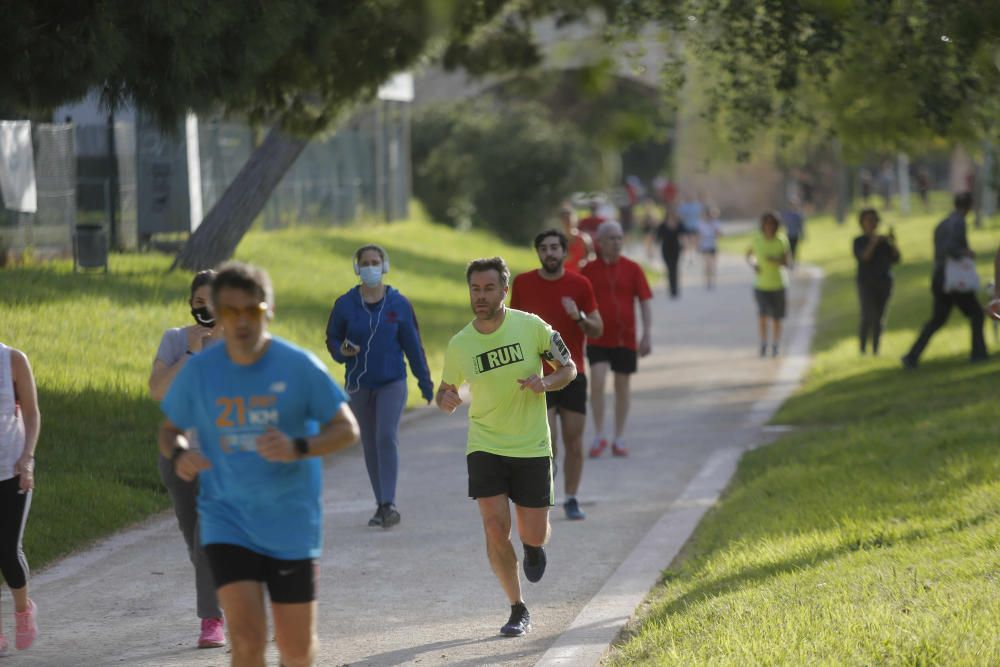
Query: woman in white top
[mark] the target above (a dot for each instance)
(176, 347)
(20, 421)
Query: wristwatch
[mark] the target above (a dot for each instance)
(301, 447)
(178, 450)
(582, 318)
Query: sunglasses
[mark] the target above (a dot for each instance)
(234, 313)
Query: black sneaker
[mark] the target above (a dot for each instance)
(763, 350)
(573, 511)
(908, 363)
(519, 622)
(376, 520)
(534, 565)
(390, 515)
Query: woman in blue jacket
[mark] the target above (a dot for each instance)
(370, 328)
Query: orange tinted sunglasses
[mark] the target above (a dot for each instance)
(254, 312)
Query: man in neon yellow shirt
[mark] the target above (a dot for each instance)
(509, 452)
(768, 255)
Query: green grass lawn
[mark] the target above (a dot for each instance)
(91, 339)
(870, 534)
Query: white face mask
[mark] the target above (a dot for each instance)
(371, 276)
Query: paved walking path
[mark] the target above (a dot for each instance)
(422, 593)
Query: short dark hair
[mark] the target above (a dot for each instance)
(201, 279)
(868, 211)
(541, 236)
(246, 277)
(774, 215)
(963, 201)
(489, 264)
(371, 246)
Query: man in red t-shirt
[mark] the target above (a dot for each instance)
(590, 224)
(617, 282)
(579, 246)
(565, 300)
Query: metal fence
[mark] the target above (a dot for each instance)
(87, 174)
(50, 227)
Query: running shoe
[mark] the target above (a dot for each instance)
(618, 449)
(212, 635)
(534, 563)
(600, 444)
(390, 515)
(376, 519)
(519, 622)
(27, 629)
(573, 511)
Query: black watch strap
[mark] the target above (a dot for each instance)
(178, 450)
(301, 447)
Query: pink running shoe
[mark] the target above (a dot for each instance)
(600, 444)
(618, 449)
(27, 629)
(212, 635)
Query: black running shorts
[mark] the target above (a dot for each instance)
(572, 397)
(288, 581)
(526, 481)
(622, 359)
(770, 303)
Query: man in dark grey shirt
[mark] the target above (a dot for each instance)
(950, 242)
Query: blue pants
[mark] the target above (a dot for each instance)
(378, 412)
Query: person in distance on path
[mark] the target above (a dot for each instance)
(950, 242)
(509, 452)
(265, 411)
(875, 254)
(566, 301)
(769, 255)
(618, 283)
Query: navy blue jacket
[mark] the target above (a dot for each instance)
(391, 327)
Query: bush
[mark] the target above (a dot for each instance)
(504, 168)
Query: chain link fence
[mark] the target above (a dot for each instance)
(87, 174)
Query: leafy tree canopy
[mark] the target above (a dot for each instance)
(879, 74)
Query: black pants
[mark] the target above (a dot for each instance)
(874, 298)
(673, 260)
(943, 302)
(14, 508)
(793, 247)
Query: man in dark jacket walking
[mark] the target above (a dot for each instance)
(950, 242)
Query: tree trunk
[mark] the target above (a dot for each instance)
(216, 238)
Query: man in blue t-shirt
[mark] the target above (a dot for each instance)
(265, 411)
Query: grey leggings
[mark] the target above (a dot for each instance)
(378, 412)
(184, 496)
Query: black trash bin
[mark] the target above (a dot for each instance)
(90, 248)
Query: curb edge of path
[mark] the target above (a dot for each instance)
(589, 637)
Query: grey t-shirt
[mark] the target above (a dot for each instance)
(173, 347)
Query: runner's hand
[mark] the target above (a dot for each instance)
(645, 346)
(348, 349)
(570, 307)
(25, 468)
(189, 464)
(534, 383)
(197, 336)
(275, 446)
(447, 397)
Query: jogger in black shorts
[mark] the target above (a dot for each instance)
(509, 448)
